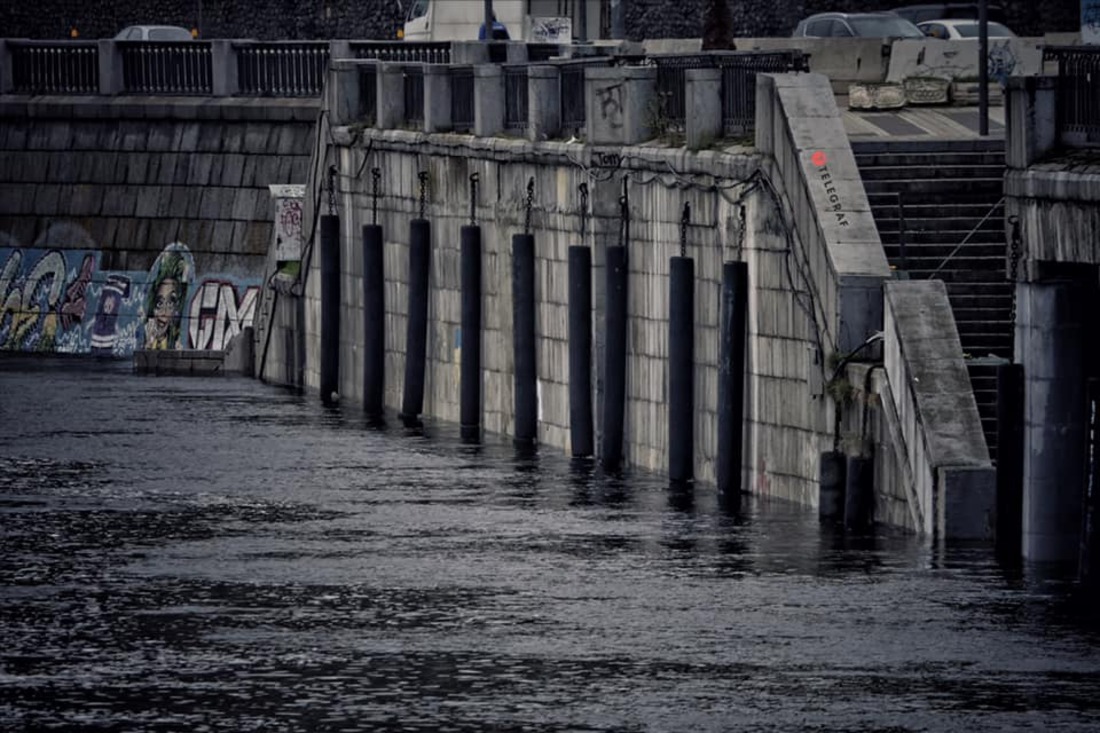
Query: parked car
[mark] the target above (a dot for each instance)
(952, 30)
(153, 33)
(946, 11)
(856, 25)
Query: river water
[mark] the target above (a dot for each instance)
(215, 554)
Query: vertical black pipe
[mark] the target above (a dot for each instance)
(1010, 460)
(832, 477)
(859, 493)
(330, 308)
(731, 377)
(470, 371)
(614, 401)
(374, 322)
(580, 350)
(1089, 564)
(416, 335)
(523, 338)
(681, 365)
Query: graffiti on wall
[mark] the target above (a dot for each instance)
(59, 300)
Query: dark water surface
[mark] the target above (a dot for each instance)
(214, 554)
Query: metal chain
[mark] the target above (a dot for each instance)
(624, 215)
(1014, 263)
(332, 190)
(423, 176)
(530, 203)
(584, 212)
(376, 176)
(685, 219)
(473, 199)
(740, 229)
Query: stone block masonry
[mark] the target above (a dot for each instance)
(128, 226)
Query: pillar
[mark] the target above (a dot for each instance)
(619, 104)
(703, 97)
(488, 100)
(437, 98)
(342, 92)
(543, 102)
(223, 69)
(390, 107)
(110, 68)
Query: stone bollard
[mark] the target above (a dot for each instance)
(488, 100)
(110, 68)
(703, 107)
(620, 104)
(543, 102)
(342, 92)
(390, 107)
(223, 69)
(1031, 125)
(437, 98)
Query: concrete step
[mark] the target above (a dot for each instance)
(963, 280)
(952, 237)
(948, 188)
(976, 289)
(994, 313)
(969, 145)
(910, 169)
(942, 251)
(939, 210)
(984, 326)
(963, 158)
(960, 266)
(887, 220)
(969, 302)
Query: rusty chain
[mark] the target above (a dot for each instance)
(473, 198)
(584, 211)
(685, 219)
(423, 176)
(530, 203)
(376, 178)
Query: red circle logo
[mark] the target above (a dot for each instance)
(818, 158)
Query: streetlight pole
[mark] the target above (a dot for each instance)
(983, 67)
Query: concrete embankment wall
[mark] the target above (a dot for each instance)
(139, 223)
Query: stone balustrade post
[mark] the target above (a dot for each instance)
(341, 92)
(437, 98)
(703, 107)
(223, 68)
(543, 102)
(488, 100)
(1031, 120)
(620, 104)
(390, 105)
(339, 50)
(110, 68)
(7, 82)
(469, 53)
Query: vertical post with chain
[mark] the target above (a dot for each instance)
(416, 334)
(681, 360)
(330, 297)
(470, 334)
(523, 329)
(374, 309)
(580, 338)
(615, 330)
(1010, 432)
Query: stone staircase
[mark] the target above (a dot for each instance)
(928, 197)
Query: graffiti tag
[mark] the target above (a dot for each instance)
(217, 316)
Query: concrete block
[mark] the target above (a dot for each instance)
(437, 98)
(883, 96)
(488, 100)
(620, 104)
(703, 101)
(390, 104)
(341, 93)
(543, 102)
(966, 500)
(926, 91)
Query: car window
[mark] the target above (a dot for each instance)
(129, 34)
(418, 9)
(818, 28)
(972, 30)
(840, 29)
(935, 30)
(884, 26)
(169, 34)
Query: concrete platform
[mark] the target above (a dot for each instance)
(920, 123)
(190, 361)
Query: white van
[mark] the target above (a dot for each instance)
(540, 21)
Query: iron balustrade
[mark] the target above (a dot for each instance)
(573, 106)
(515, 99)
(414, 95)
(368, 93)
(51, 67)
(281, 69)
(183, 67)
(1078, 92)
(431, 52)
(462, 98)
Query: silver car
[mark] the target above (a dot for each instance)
(856, 25)
(153, 33)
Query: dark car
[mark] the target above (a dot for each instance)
(946, 11)
(856, 25)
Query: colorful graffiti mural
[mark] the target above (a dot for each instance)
(59, 300)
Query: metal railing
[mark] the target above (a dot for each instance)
(51, 67)
(432, 52)
(462, 98)
(1078, 93)
(183, 67)
(414, 95)
(573, 105)
(281, 69)
(515, 99)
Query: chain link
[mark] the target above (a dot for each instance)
(740, 229)
(624, 215)
(332, 190)
(685, 219)
(584, 212)
(1014, 263)
(376, 178)
(530, 203)
(423, 176)
(473, 198)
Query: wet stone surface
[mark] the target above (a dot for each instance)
(214, 554)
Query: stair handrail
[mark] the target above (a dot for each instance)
(967, 238)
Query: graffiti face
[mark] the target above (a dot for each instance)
(166, 314)
(29, 304)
